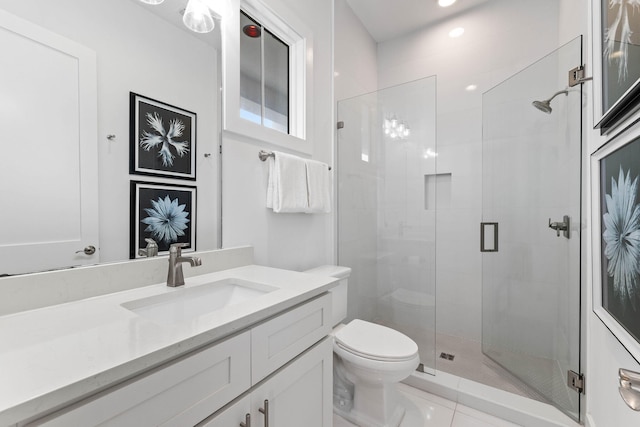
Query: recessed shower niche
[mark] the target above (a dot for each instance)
(437, 191)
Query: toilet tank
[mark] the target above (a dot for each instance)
(338, 293)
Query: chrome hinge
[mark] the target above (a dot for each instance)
(340, 125)
(576, 76)
(575, 381)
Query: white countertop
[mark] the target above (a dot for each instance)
(55, 355)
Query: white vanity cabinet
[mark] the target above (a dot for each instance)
(283, 359)
(181, 393)
(298, 395)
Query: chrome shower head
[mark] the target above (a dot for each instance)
(545, 106)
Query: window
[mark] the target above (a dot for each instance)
(268, 80)
(264, 76)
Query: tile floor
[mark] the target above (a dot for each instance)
(428, 410)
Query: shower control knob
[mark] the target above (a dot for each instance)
(561, 226)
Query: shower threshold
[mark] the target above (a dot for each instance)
(502, 404)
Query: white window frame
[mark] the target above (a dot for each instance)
(283, 23)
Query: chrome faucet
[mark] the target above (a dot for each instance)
(175, 276)
(151, 250)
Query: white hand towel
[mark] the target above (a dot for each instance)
(270, 183)
(287, 186)
(319, 187)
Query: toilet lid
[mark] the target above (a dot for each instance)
(374, 341)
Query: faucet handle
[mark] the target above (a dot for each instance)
(177, 248)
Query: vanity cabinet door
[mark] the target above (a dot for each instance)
(231, 416)
(179, 394)
(280, 339)
(300, 394)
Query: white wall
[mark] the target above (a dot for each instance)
(138, 52)
(355, 55)
(290, 240)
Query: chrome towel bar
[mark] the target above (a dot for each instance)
(264, 155)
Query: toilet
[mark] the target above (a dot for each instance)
(369, 360)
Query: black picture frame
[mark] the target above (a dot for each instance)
(162, 139)
(620, 64)
(174, 208)
(616, 238)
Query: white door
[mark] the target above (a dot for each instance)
(48, 165)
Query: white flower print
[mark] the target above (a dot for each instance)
(622, 236)
(151, 140)
(621, 22)
(167, 220)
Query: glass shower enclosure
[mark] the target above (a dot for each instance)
(386, 208)
(530, 235)
(388, 192)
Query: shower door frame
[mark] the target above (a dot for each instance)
(577, 345)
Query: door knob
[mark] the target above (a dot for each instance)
(89, 250)
(630, 388)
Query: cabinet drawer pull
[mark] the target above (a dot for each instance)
(247, 421)
(265, 411)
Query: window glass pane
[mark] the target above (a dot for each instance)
(276, 83)
(250, 70)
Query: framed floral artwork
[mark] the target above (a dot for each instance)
(616, 238)
(165, 213)
(619, 59)
(162, 139)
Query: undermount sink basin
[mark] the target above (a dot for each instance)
(185, 303)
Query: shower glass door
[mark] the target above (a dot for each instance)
(386, 209)
(531, 188)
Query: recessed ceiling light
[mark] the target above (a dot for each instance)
(445, 3)
(456, 32)
(471, 88)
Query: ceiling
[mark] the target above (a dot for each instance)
(171, 11)
(389, 19)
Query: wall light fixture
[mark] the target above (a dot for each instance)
(197, 17)
(445, 3)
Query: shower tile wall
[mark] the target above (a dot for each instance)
(501, 37)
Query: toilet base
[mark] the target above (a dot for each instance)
(374, 406)
(362, 420)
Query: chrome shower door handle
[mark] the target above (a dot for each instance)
(630, 388)
(488, 237)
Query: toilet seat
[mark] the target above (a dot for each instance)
(375, 342)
